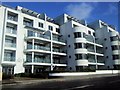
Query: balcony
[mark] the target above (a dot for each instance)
(9, 58)
(35, 34)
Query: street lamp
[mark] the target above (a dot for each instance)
(51, 49)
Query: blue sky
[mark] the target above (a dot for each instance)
(106, 11)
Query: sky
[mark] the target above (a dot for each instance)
(90, 11)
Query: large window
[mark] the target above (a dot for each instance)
(78, 45)
(77, 34)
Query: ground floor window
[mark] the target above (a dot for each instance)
(8, 70)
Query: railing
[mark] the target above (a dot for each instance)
(100, 61)
(42, 48)
(58, 50)
(56, 61)
(12, 18)
(11, 31)
(89, 38)
(38, 60)
(10, 45)
(91, 60)
(38, 47)
(59, 40)
(9, 58)
(91, 49)
(39, 35)
(99, 51)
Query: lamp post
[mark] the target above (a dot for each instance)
(51, 49)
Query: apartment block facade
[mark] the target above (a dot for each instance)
(31, 42)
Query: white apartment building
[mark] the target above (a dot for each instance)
(31, 42)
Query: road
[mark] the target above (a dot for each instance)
(108, 82)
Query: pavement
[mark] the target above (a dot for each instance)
(24, 81)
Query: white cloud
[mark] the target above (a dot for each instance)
(80, 11)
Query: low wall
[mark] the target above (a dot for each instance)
(85, 73)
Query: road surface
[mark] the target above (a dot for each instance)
(108, 82)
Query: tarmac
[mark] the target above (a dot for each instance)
(25, 80)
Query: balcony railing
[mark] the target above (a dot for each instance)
(9, 58)
(90, 49)
(100, 61)
(59, 40)
(10, 45)
(13, 18)
(58, 50)
(11, 31)
(42, 48)
(39, 60)
(92, 60)
(39, 35)
(99, 51)
(55, 61)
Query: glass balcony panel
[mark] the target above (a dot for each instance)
(92, 60)
(6, 58)
(10, 45)
(13, 18)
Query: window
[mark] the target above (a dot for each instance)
(41, 25)
(89, 32)
(115, 57)
(12, 16)
(78, 45)
(77, 34)
(30, 33)
(58, 30)
(115, 47)
(78, 56)
(28, 22)
(94, 34)
(50, 27)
